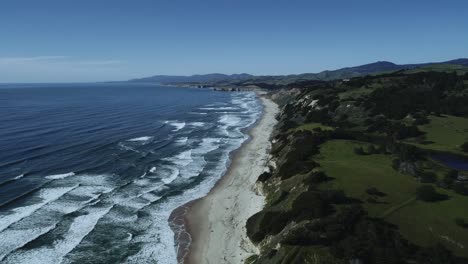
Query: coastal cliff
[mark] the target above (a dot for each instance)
(352, 181)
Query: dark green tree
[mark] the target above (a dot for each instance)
(464, 147)
(428, 193)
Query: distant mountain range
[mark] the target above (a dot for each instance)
(382, 66)
(199, 78)
(349, 72)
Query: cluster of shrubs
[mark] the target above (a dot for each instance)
(296, 151)
(394, 130)
(371, 149)
(450, 181)
(428, 193)
(427, 91)
(461, 222)
(464, 147)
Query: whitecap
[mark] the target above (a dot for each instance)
(230, 120)
(46, 195)
(129, 237)
(159, 213)
(182, 140)
(46, 218)
(13, 239)
(125, 147)
(177, 125)
(152, 170)
(60, 176)
(219, 108)
(183, 159)
(18, 177)
(80, 227)
(172, 177)
(146, 138)
(197, 124)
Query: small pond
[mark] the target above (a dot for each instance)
(452, 161)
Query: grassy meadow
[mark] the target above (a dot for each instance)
(444, 133)
(425, 223)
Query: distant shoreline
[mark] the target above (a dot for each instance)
(215, 224)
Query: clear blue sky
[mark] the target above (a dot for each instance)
(96, 40)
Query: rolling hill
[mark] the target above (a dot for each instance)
(348, 72)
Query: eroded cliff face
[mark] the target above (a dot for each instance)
(299, 219)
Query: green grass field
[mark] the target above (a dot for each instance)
(447, 134)
(311, 127)
(420, 222)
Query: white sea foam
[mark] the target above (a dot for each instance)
(46, 195)
(60, 176)
(81, 226)
(191, 163)
(136, 203)
(70, 206)
(150, 197)
(183, 158)
(139, 195)
(230, 120)
(18, 177)
(125, 147)
(102, 180)
(197, 124)
(172, 176)
(130, 195)
(177, 125)
(159, 212)
(182, 140)
(219, 108)
(13, 239)
(208, 145)
(145, 198)
(43, 220)
(130, 236)
(140, 139)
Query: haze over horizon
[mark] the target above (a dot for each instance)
(69, 41)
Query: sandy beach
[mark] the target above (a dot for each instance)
(216, 222)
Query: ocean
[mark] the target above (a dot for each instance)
(89, 173)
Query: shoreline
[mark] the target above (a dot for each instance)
(212, 229)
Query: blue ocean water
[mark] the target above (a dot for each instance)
(91, 172)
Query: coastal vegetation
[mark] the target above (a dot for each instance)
(353, 178)
(444, 133)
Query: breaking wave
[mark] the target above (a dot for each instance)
(120, 189)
